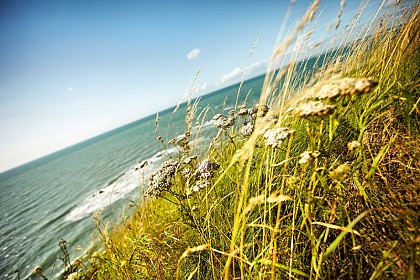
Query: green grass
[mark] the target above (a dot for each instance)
(268, 214)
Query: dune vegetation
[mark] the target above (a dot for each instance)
(319, 180)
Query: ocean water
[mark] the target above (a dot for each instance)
(55, 197)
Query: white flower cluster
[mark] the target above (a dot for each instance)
(314, 108)
(223, 121)
(274, 137)
(247, 129)
(345, 86)
(204, 172)
(161, 179)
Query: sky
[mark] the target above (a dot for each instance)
(71, 70)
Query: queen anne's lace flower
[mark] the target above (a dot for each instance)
(223, 121)
(207, 166)
(314, 108)
(161, 179)
(204, 172)
(345, 86)
(198, 186)
(274, 137)
(247, 129)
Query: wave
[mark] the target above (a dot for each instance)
(118, 187)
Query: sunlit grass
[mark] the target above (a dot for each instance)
(318, 181)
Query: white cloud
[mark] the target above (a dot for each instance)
(203, 86)
(70, 89)
(237, 72)
(193, 53)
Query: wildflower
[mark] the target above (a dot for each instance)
(242, 111)
(186, 173)
(353, 145)
(314, 108)
(291, 182)
(247, 129)
(345, 86)
(259, 110)
(160, 180)
(274, 137)
(205, 169)
(340, 173)
(223, 122)
(306, 156)
(207, 166)
(198, 186)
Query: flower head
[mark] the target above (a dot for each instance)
(306, 156)
(247, 129)
(274, 137)
(345, 86)
(314, 108)
(198, 186)
(223, 122)
(161, 179)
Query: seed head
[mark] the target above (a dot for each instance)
(217, 116)
(38, 270)
(205, 169)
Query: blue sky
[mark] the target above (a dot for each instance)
(70, 70)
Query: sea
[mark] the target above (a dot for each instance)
(55, 197)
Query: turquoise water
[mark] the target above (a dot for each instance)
(55, 197)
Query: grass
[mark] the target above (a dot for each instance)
(321, 190)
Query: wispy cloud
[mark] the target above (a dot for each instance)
(203, 86)
(237, 72)
(70, 89)
(193, 53)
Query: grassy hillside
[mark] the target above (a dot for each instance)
(318, 181)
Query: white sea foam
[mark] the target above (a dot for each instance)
(129, 181)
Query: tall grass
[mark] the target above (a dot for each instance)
(325, 187)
